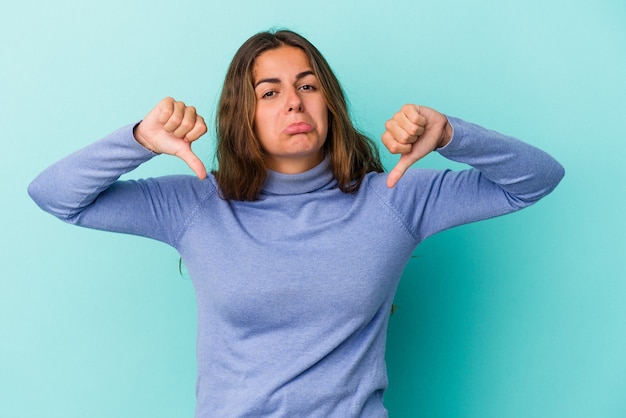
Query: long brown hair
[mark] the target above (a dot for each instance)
(241, 170)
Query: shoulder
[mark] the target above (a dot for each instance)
(181, 187)
(411, 182)
(412, 192)
(409, 194)
(407, 200)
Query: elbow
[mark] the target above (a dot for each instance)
(36, 193)
(553, 177)
(560, 173)
(45, 197)
(549, 178)
(546, 180)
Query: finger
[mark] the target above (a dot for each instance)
(192, 160)
(176, 118)
(411, 120)
(408, 132)
(198, 130)
(394, 146)
(188, 122)
(397, 132)
(406, 128)
(413, 124)
(413, 114)
(166, 109)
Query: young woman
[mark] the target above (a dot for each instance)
(296, 242)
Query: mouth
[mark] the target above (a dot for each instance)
(298, 128)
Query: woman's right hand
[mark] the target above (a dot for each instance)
(170, 128)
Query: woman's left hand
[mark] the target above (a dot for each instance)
(414, 132)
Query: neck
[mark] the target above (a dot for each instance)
(319, 177)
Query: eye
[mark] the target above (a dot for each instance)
(268, 94)
(308, 87)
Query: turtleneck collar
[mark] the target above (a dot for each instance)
(317, 178)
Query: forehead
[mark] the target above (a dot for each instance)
(281, 61)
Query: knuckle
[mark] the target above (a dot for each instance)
(176, 119)
(394, 147)
(407, 108)
(412, 113)
(402, 139)
(413, 130)
(186, 124)
(166, 110)
(168, 102)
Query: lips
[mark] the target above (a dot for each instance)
(298, 128)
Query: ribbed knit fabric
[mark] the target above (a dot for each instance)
(294, 290)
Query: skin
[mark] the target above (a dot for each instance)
(291, 116)
(171, 126)
(414, 132)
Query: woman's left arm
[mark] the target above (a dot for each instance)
(522, 170)
(508, 174)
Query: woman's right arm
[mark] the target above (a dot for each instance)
(83, 189)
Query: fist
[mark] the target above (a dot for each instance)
(170, 128)
(414, 132)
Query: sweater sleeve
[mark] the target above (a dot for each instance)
(505, 175)
(84, 189)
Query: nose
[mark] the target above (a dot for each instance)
(294, 102)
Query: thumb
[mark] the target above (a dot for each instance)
(192, 160)
(419, 150)
(406, 160)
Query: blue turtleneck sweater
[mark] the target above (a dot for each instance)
(294, 290)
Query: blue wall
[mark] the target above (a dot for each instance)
(520, 316)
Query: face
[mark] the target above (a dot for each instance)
(291, 116)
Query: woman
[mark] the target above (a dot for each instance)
(296, 243)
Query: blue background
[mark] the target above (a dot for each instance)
(520, 316)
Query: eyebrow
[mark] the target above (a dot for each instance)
(277, 80)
